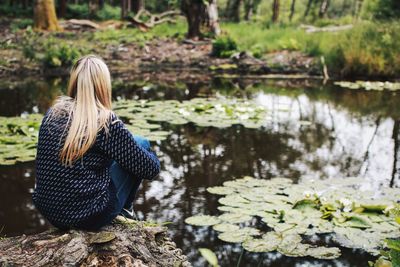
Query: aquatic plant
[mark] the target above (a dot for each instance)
(212, 112)
(18, 138)
(378, 86)
(355, 218)
(18, 135)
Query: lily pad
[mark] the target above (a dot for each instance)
(202, 220)
(226, 227)
(269, 242)
(234, 217)
(238, 236)
(221, 190)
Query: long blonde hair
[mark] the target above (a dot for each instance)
(88, 106)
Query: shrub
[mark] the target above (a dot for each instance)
(81, 11)
(18, 24)
(60, 55)
(108, 12)
(366, 50)
(77, 11)
(223, 47)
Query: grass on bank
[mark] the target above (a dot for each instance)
(369, 49)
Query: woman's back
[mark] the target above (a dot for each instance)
(76, 188)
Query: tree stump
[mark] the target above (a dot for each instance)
(123, 243)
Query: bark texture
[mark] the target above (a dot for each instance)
(137, 5)
(275, 10)
(93, 6)
(45, 17)
(323, 8)
(124, 243)
(292, 9)
(213, 22)
(233, 10)
(194, 11)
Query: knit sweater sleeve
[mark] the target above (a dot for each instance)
(120, 145)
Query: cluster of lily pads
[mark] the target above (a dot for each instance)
(378, 86)
(203, 112)
(355, 218)
(18, 138)
(18, 135)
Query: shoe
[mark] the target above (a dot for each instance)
(129, 214)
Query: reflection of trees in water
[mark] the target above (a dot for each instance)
(17, 212)
(396, 159)
(23, 97)
(196, 158)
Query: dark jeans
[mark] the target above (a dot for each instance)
(125, 187)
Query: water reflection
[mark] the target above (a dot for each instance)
(310, 132)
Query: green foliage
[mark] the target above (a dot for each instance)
(369, 49)
(77, 11)
(260, 40)
(18, 24)
(366, 50)
(15, 10)
(210, 256)
(108, 12)
(28, 44)
(58, 55)
(81, 11)
(223, 47)
(387, 9)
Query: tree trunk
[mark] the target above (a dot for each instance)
(137, 5)
(323, 9)
(45, 17)
(93, 7)
(358, 7)
(194, 12)
(124, 243)
(308, 8)
(248, 9)
(62, 8)
(292, 9)
(124, 8)
(212, 12)
(275, 11)
(101, 4)
(233, 10)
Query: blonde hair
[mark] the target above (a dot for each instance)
(88, 107)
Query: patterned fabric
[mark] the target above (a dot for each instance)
(68, 196)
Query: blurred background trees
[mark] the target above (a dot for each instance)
(356, 37)
(197, 12)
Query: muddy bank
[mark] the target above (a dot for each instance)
(168, 55)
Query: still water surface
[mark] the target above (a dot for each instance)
(312, 131)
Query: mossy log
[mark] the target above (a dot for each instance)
(123, 243)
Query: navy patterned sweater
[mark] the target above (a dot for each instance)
(73, 196)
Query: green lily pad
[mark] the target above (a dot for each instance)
(238, 236)
(324, 253)
(221, 190)
(226, 227)
(269, 242)
(202, 220)
(234, 217)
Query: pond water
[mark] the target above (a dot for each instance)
(312, 131)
